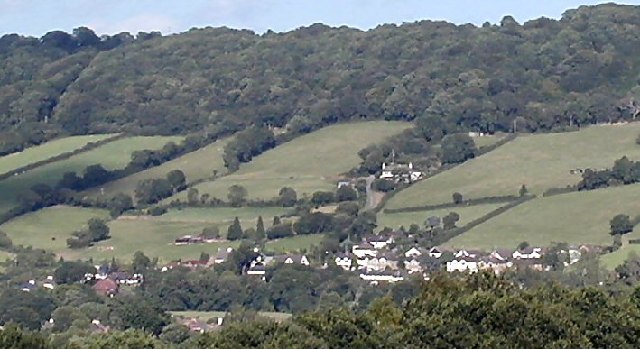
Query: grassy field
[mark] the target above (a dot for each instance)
(537, 161)
(467, 214)
(50, 227)
(581, 217)
(196, 165)
(488, 140)
(206, 315)
(611, 260)
(307, 164)
(112, 155)
(47, 150)
(294, 243)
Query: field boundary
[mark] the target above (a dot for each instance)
(465, 203)
(450, 234)
(64, 156)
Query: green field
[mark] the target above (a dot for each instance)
(47, 150)
(488, 140)
(196, 165)
(114, 155)
(309, 163)
(206, 315)
(612, 260)
(581, 217)
(294, 243)
(467, 214)
(537, 161)
(50, 227)
(223, 214)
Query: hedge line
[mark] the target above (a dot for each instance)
(63, 156)
(450, 234)
(470, 202)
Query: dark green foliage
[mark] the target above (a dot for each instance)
(346, 193)
(140, 262)
(27, 309)
(260, 232)
(237, 195)
(457, 198)
(449, 221)
(70, 272)
(119, 203)
(458, 148)
(523, 191)
(383, 185)
(11, 337)
(621, 224)
(313, 223)
(246, 145)
(348, 208)
(140, 313)
(321, 198)
(97, 230)
(279, 231)
(150, 191)
(234, 232)
(624, 171)
(287, 197)
(177, 180)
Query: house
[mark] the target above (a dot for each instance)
(29, 286)
(97, 327)
(48, 283)
(379, 263)
(380, 241)
(343, 260)
(463, 264)
(257, 269)
(189, 239)
(222, 255)
(375, 278)
(497, 265)
(106, 287)
(414, 252)
(413, 266)
(292, 259)
(528, 253)
(364, 249)
(344, 184)
(435, 252)
(398, 173)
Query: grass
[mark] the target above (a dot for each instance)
(47, 150)
(537, 161)
(50, 227)
(196, 165)
(114, 155)
(223, 214)
(294, 243)
(487, 140)
(308, 163)
(581, 217)
(611, 260)
(206, 315)
(467, 214)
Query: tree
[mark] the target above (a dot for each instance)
(212, 232)
(457, 198)
(523, 191)
(458, 148)
(71, 272)
(276, 220)
(449, 221)
(140, 262)
(287, 197)
(346, 193)
(432, 222)
(204, 257)
(193, 196)
(260, 232)
(621, 224)
(95, 175)
(119, 203)
(150, 191)
(98, 230)
(70, 180)
(237, 195)
(234, 232)
(321, 198)
(177, 180)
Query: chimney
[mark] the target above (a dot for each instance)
(384, 165)
(411, 165)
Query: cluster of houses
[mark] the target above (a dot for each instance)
(400, 173)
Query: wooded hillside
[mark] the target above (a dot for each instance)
(537, 76)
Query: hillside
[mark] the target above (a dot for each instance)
(307, 164)
(543, 74)
(581, 217)
(539, 162)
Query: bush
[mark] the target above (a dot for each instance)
(321, 198)
(280, 231)
(383, 185)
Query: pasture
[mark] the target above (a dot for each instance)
(114, 155)
(47, 150)
(308, 163)
(196, 165)
(580, 217)
(296, 243)
(467, 214)
(538, 161)
(50, 227)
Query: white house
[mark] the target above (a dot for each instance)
(364, 250)
(413, 266)
(528, 253)
(400, 172)
(463, 264)
(343, 260)
(435, 252)
(497, 265)
(292, 259)
(380, 241)
(374, 278)
(413, 252)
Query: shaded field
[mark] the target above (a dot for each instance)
(206, 315)
(50, 227)
(467, 214)
(47, 150)
(114, 155)
(308, 163)
(196, 165)
(537, 161)
(294, 243)
(487, 140)
(581, 217)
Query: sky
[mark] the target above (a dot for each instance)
(37, 17)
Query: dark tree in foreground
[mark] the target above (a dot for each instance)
(621, 224)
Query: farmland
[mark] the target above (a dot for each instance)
(538, 161)
(309, 163)
(467, 214)
(196, 165)
(112, 155)
(294, 243)
(580, 217)
(50, 227)
(47, 150)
